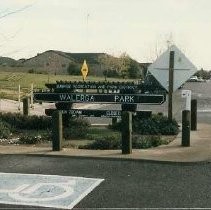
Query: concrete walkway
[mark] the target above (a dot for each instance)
(200, 150)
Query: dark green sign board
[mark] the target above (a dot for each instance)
(94, 85)
(88, 112)
(99, 98)
(97, 113)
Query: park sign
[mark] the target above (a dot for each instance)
(87, 112)
(183, 68)
(100, 98)
(96, 113)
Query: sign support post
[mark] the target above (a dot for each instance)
(171, 85)
(57, 131)
(126, 132)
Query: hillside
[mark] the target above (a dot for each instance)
(57, 62)
(5, 61)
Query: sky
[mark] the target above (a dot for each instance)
(141, 28)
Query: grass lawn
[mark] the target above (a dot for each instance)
(9, 82)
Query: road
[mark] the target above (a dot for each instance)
(128, 184)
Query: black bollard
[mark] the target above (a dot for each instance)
(186, 128)
(126, 132)
(194, 115)
(57, 131)
(26, 106)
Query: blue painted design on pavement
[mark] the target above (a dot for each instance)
(44, 190)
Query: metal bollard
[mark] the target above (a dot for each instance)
(186, 128)
(57, 131)
(194, 115)
(126, 132)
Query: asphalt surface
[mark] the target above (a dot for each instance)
(128, 184)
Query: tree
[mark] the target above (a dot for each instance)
(73, 69)
(124, 66)
(110, 65)
(203, 74)
(129, 67)
(133, 69)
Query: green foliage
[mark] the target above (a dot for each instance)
(157, 124)
(108, 142)
(5, 130)
(19, 121)
(97, 133)
(114, 142)
(116, 126)
(203, 74)
(73, 69)
(144, 142)
(111, 73)
(133, 69)
(31, 71)
(77, 128)
(33, 139)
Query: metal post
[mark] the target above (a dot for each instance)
(186, 128)
(26, 106)
(126, 132)
(171, 85)
(57, 131)
(194, 115)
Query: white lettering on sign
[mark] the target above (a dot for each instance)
(77, 98)
(113, 113)
(124, 99)
(62, 192)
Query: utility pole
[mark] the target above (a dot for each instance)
(171, 85)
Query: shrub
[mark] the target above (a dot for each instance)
(114, 142)
(108, 142)
(157, 124)
(116, 126)
(77, 128)
(73, 69)
(34, 139)
(5, 130)
(19, 121)
(144, 142)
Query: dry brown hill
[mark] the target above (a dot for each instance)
(57, 62)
